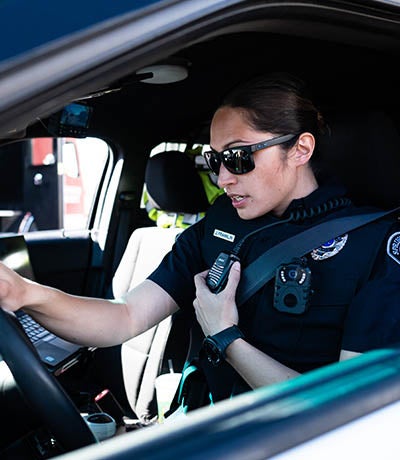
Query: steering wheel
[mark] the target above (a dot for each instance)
(40, 388)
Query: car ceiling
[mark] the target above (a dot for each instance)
(340, 74)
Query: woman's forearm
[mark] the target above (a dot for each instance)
(254, 366)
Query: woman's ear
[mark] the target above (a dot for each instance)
(304, 148)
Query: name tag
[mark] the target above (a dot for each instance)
(224, 235)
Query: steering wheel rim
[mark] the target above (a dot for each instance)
(40, 388)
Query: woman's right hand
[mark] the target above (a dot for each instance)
(13, 289)
(216, 312)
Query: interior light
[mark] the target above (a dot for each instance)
(162, 74)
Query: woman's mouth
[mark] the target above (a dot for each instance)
(238, 200)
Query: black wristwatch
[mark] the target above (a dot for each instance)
(214, 346)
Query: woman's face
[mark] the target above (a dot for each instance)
(272, 184)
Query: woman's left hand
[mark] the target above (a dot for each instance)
(216, 312)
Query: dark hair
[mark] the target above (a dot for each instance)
(278, 103)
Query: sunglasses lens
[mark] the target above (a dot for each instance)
(237, 161)
(213, 161)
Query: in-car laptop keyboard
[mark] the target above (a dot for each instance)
(57, 353)
(53, 350)
(32, 329)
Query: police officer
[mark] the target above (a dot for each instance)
(263, 138)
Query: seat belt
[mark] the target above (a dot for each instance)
(259, 272)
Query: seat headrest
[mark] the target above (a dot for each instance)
(173, 183)
(363, 150)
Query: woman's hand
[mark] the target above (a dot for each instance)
(13, 288)
(216, 312)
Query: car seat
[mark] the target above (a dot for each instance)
(362, 148)
(173, 185)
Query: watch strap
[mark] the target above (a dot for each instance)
(224, 338)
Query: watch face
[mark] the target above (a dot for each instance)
(212, 351)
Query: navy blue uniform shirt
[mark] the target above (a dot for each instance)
(354, 304)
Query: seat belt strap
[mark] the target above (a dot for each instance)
(259, 272)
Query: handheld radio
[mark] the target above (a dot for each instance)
(217, 277)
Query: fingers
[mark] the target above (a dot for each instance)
(233, 278)
(202, 275)
(215, 312)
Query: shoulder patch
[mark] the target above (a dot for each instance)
(393, 247)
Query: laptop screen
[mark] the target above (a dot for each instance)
(14, 254)
(57, 353)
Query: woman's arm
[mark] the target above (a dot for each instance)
(84, 320)
(216, 312)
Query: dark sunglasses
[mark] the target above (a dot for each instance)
(239, 160)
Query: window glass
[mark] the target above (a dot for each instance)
(51, 183)
(84, 162)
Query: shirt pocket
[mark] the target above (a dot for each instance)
(324, 321)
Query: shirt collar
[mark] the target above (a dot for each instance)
(326, 191)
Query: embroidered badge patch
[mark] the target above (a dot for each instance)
(330, 248)
(393, 247)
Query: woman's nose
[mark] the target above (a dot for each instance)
(225, 177)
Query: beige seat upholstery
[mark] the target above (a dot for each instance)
(145, 249)
(142, 356)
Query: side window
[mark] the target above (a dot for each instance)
(51, 183)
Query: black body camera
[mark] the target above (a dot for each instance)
(292, 288)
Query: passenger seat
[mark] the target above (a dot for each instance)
(174, 186)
